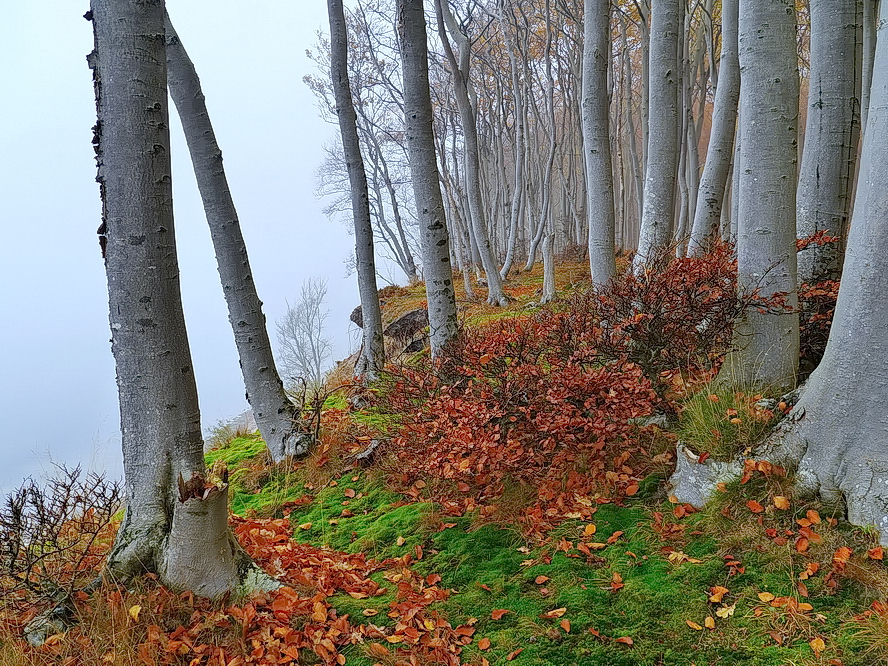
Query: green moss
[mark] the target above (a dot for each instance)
(237, 451)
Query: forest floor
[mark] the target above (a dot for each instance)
(547, 537)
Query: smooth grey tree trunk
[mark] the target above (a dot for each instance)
(767, 343)
(275, 415)
(430, 210)
(664, 125)
(459, 70)
(596, 141)
(832, 133)
(160, 419)
(372, 357)
(713, 183)
(871, 10)
(838, 431)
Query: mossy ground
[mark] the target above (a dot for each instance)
(667, 568)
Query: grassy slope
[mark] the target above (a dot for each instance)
(667, 576)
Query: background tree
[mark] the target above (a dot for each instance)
(420, 139)
(165, 530)
(275, 415)
(372, 356)
(832, 132)
(304, 346)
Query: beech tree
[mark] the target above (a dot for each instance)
(767, 341)
(275, 415)
(837, 434)
(596, 141)
(430, 211)
(372, 357)
(832, 132)
(176, 523)
(664, 125)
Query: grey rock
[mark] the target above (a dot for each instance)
(692, 482)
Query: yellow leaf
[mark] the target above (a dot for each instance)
(726, 611)
(817, 645)
(305, 526)
(693, 625)
(589, 530)
(369, 612)
(718, 592)
(556, 612)
(400, 541)
(527, 563)
(394, 639)
(781, 502)
(709, 622)
(765, 596)
(134, 612)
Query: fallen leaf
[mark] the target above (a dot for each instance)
(754, 506)
(305, 526)
(693, 625)
(539, 580)
(565, 624)
(557, 612)
(433, 579)
(134, 612)
(876, 553)
(484, 644)
(709, 622)
(766, 596)
(319, 612)
(817, 645)
(589, 530)
(499, 613)
(349, 492)
(400, 541)
(781, 502)
(814, 517)
(717, 593)
(512, 655)
(801, 545)
(726, 611)
(369, 612)
(625, 640)
(842, 555)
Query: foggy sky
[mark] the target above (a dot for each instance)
(58, 398)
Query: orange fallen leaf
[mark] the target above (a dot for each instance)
(625, 640)
(319, 612)
(565, 624)
(814, 517)
(349, 492)
(876, 553)
(754, 506)
(693, 625)
(539, 580)
(718, 592)
(512, 655)
(817, 645)
(842, 555)
(484, 644)
(589, 530)
(781, 502)
(305, 526)
(556, 612)
(801, 545)
(499, 613)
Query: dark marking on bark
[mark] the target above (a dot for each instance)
(146, 323)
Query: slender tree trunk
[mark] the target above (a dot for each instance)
(274, 413)
(596, 141)
(871, 11)
(373, 353)
(424, 171)
(713, 183)
(836, 432)
(768, 343)
(160, 419)
(832, 133)
(460, 72)
(664, 129)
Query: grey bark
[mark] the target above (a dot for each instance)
(871, 10)
(275, 415)
(420, 140)
(838, 431)
(664, 125)
(160, 419)
(459, 70)
(832, 132)
(372, 357)
(548, 294)
(596, 141)
(714, 180)
(768, 343)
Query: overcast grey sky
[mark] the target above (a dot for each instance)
(57, 397)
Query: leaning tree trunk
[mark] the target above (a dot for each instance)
(838, 431)
(372, 357)
(420, 138)
(160, 420)
(664, 125)
(460, 73)
(832, 132)
(596, 141)
(275, 415)
(714, 181)
(768, 342)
